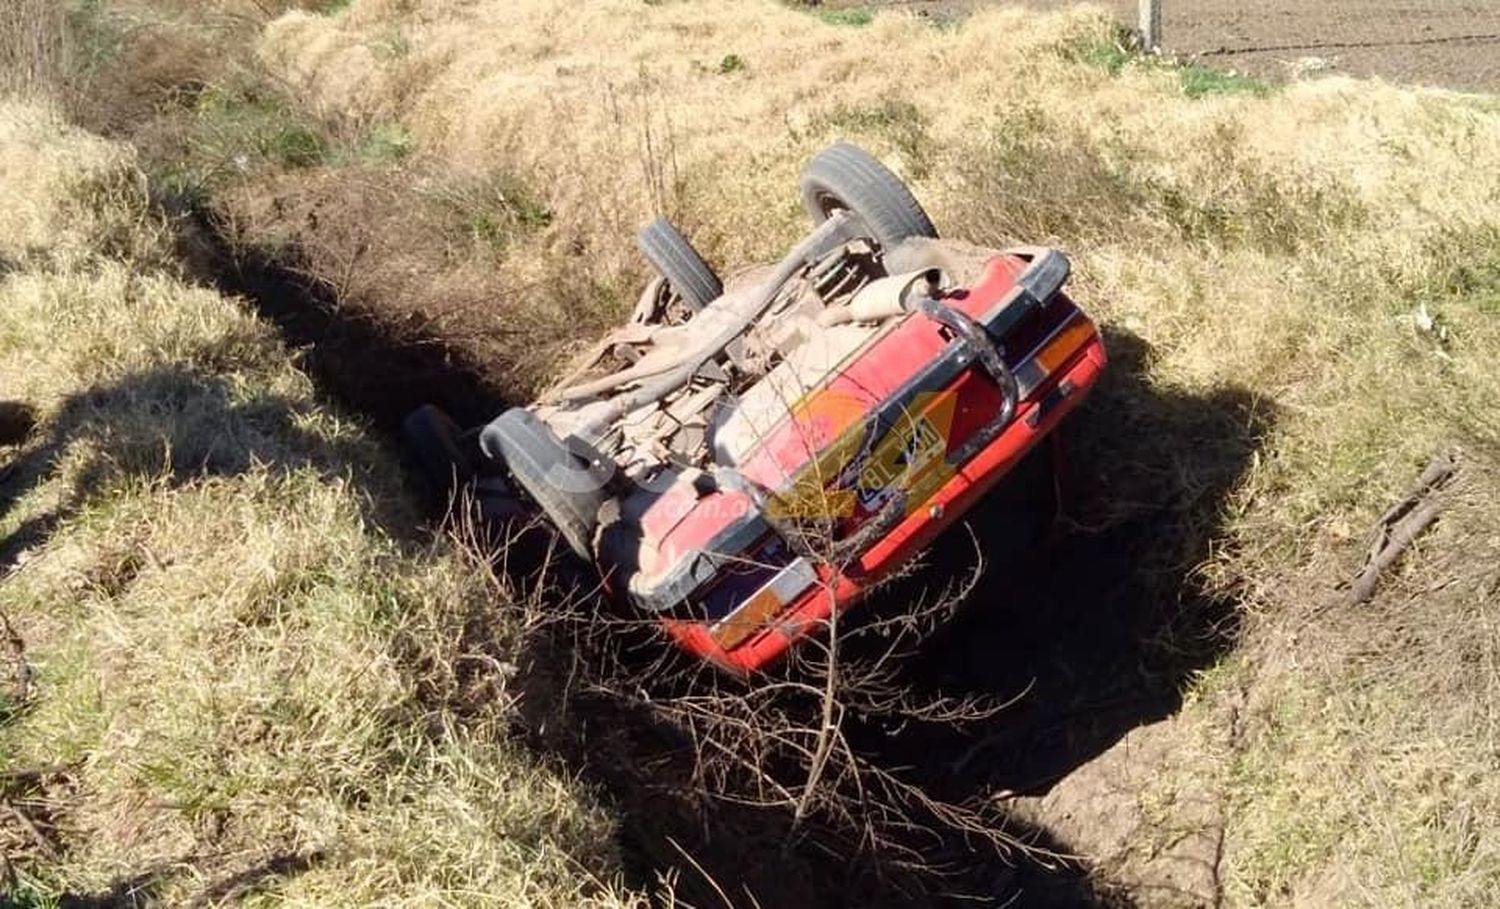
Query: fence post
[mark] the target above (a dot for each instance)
(1150, 25)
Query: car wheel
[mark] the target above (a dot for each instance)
(848, 178)
(566, 486)
(677, 261)
(432, 438)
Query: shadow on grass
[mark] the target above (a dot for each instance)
(143, 890)
(171, 425)
(17, 420)
(1099, 629)
(135, 891)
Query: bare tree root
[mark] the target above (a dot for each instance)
(1400, 526)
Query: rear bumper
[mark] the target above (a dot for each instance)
(1034, 419)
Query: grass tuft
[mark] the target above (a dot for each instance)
(1200, 81)
(853, 17)
(239, 128)
(897, 123)
(385, 143)
(492, 211)
(1111, 55)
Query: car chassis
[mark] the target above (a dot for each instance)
(744, 462)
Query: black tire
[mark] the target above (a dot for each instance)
(847, 177)
(564, 484)
(498, 504)
(677, 261)
(433, 440)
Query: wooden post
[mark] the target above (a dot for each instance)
(1150, 25)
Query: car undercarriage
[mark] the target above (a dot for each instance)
(744, 459)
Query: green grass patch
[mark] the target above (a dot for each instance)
(1200, 81)
(245, 127)
(489, 212)
(1110, 48)
(239, 131)
(1111, 56)
(1116, 49)
(848, 17)
(26, 896)
(296, 145)
(852, 17)
(730, 63)
(385, 143)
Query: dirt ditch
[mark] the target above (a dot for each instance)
(386, 316)
(1086, 656)
(670, 826)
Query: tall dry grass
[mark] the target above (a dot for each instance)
(229, 673)
(1282, 241)
(33, 47)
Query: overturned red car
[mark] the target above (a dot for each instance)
(742, 461)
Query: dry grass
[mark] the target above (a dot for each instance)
(33, 51)
(242, 679)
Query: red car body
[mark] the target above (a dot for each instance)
(899, 441)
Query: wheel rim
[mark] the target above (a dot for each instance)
(828, 203)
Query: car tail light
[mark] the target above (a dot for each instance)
(1050, 354)
(1065, 343)
(764, 604)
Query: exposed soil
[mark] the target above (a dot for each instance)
(1447, 43)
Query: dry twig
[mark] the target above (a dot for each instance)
(1402, 524)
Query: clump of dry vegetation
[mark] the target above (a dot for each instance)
(229, 669)
(31, 47)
